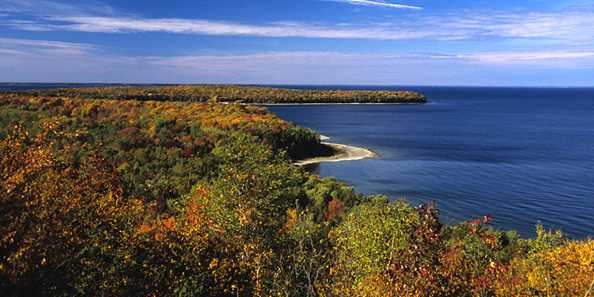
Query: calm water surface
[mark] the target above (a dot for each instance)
(525, 156)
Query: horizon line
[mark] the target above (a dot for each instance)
(300, 84)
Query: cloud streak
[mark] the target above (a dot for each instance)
(566, 26)
(220, 28)
(33, 47)
(378, 3)
(529, 57)
(55, 61)
(56, 48)
(49, 8)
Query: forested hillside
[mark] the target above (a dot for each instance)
(149, 198)
(236, 93)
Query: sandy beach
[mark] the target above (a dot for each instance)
(344, 153)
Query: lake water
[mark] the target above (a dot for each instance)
(524, 156)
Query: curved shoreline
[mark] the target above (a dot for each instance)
(343, 153)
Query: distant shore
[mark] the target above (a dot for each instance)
(343, 153)
(332, 103)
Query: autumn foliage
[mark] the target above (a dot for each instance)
(236, 93)
(61, 225)
(131, 198)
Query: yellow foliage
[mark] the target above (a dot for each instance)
(564, 271)
(375, 285)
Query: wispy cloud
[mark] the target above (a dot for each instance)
(209, 27)
(529, 57)
(56, 48)
(43, 47)
(50, 8)
(378, 3)
(5, 9)
(563, 26)
(10, 52)
(339, 57)
(44, 60)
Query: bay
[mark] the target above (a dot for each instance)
(523, 155)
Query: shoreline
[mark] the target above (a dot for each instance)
(335, 103)
(343, 153)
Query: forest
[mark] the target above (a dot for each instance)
(167, 192)
(234, 94)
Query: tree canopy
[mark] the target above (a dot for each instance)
(235, 93)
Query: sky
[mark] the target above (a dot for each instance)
(307, 42)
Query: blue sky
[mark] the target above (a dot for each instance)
(409, 42)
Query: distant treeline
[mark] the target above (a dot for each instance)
(235, 93)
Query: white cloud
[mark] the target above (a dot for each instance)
(208, 27)
(36, 47)
(561, 26)
(556, 25)
(43, 43)
(255, 61)
(568, 27)
(5, 51)
(55, 61)
(7, 9)
(377, 3)
(50, 8)
(529, 57)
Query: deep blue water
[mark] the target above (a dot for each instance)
(524, 156)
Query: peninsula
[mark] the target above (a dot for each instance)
(342, 152)
(234, 94)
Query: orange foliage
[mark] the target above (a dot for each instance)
(335, 209)
(53, 214)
